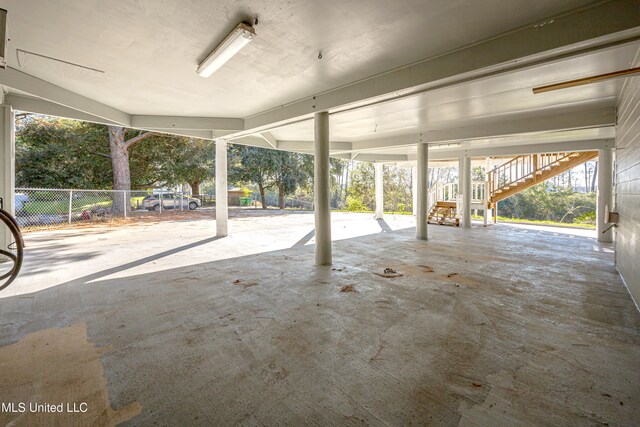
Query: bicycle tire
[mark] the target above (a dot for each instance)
(14, 229)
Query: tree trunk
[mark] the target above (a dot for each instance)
(594, 177)
(281, 196)
(346, 181)
(263, 199)
(339, 189)
(195, 188)
(586, 178)
(120, 166)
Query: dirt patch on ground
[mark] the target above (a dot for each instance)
(133, 219)
(244, 284)
(348, 289)
(57, 367)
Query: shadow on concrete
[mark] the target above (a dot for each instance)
(305, 239)
(141, 261)
(384, 226)
(274, 321)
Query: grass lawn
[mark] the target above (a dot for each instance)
(541, 222)
(36, 207)
(371, 212)
(60, 207)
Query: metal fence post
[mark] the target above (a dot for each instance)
(124, 202)
(70, 204)
(161, 202)
(182, 201)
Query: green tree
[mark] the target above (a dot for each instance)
(171, 160)
(397, 189)
(254, 165)
(362, 185)
(546, 201)
(289, 173)
(282, 171)
(52, 153)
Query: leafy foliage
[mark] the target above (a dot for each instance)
(355, 205)
(171, 160)
(269, 169)
(396, 184)
(53, 153)
(58, 153)
(362, 185)
(546, 201)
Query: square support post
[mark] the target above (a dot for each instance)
(322, 192)
(422, 191)
(604, 194)
(487, 192)
(465, 162)
(70, 205)
(379, 187)
(222, 199)
(7, 166)
(414, 188)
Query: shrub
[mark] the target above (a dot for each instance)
(246, 191)
(355, 205)
(586, 218)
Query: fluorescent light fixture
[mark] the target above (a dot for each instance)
(232, 44)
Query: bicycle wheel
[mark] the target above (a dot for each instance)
(11, 256)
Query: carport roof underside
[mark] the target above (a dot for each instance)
(392, 74)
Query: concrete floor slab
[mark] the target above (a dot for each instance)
(512, 327)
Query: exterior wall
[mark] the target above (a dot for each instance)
(628, 183)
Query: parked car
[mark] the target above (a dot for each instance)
(19, 201)
(169, 201)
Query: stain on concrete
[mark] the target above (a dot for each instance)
(57, 366)
(543, 323)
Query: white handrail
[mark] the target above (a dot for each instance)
(449, 192)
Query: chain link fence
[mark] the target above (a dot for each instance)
(47, 207)
(273, 201)
(54, 207)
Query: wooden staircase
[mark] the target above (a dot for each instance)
(526, 171)
(444, 213)
(512, 177)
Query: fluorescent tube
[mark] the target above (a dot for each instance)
(232, 44)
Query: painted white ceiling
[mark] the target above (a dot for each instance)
(489, 100)
(149, 51)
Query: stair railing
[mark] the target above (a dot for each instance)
(449, 192)
(520, 168)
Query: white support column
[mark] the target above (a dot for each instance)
(605, 190)
(466, 191)
(460, 185)
(7, 166)
(379, 186)
(322, 192)
(222, 199)
(423, 191)
(487, 212)
(414, 188)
